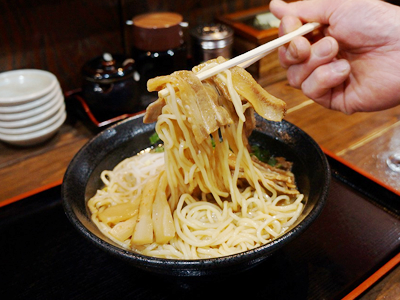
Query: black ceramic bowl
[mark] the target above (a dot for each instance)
(125, 139)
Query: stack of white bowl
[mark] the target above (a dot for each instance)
(32, 106)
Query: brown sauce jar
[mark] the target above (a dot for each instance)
(158, 48)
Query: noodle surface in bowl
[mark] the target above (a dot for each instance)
(206, 195)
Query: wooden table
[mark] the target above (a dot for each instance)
(361, 140)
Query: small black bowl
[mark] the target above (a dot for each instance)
(128, 137)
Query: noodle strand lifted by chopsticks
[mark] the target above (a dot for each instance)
(205, 195)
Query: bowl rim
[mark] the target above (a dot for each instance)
(11, 109)
(28, 121)
(32, 96)
(184, 264)
(35, 127)
(32, 112)
(36, 134)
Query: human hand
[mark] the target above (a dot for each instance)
(356, 65)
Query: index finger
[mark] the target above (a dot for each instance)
(307, 11)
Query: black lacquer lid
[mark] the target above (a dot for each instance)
(108, 68)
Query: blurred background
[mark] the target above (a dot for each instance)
(60, 36)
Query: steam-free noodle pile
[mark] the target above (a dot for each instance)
(205, 195)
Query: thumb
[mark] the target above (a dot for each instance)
(307, 11)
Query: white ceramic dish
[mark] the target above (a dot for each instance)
(36, 137)
(10, 109)
(36, 127)
(32, 112)
(20, 86)
(35, 119)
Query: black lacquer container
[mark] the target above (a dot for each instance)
(109, 87)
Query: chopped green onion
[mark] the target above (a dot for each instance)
(154, 138)
(272, 162)
(263, 155)
(212, 143)
(159, 149)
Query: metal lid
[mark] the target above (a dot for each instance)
(213, 36)
(159, 31)
(107, 68)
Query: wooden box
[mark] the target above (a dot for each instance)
(248, 35)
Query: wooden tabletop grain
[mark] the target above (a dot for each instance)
(363, 140)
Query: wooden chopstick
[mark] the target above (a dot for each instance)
(249, 62)
(246, 59)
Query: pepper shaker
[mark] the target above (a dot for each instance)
(211, 41)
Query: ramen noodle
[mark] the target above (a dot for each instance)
(205, 195)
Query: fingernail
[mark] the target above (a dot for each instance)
(323, 48)
(287, 27)
(292, 51)
(340, 66)
(284, 28)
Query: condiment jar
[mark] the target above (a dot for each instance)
(210, 41)
(109, 88)
(158, 47)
